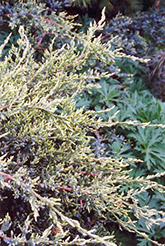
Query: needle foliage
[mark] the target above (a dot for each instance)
(54, 188)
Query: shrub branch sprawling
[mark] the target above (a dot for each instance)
(47, 164)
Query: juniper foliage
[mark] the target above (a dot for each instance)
(54, 189)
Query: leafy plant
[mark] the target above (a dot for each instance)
(150, 145)
(140, 35)
(136, 104)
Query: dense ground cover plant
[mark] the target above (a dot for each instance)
(133, 102)
(64, 179)
(136, 36)
(127, 91)
(140, 35)
(75, 181)
(39, 25)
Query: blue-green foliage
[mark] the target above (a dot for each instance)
(138, 35)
